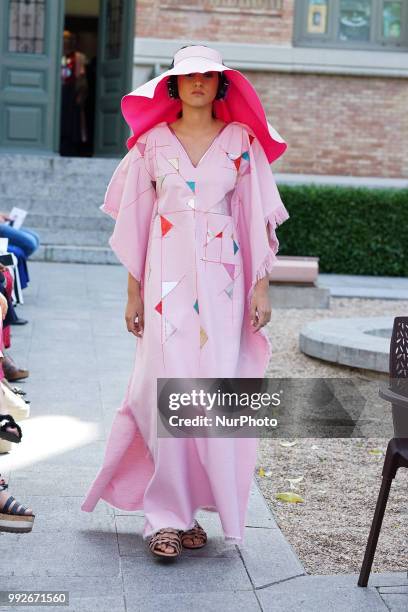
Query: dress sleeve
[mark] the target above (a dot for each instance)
(259, 210)
(130, 199)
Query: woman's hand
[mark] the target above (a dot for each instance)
(260, 311)
(134, 315)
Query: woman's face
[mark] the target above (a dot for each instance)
(198, 89)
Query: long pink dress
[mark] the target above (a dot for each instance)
(198, 238)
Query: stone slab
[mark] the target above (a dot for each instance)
(302, 594)
(395, 602)
(351, 341)
(82, 591)
(228, 601)
(399, 590)
(293, 296)
(83, 553)
(268, 557)
(258, 513)
(186, 575)
(362, 286)
(63, 515)
(45, 478)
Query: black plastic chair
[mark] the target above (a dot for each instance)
(395, 392)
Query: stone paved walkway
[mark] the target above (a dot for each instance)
(80, 357)
(378, 287)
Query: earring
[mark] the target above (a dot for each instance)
(172, 89)
(222, 92)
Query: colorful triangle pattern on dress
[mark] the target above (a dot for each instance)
(196, 306)
(230, 268)
(141, 147)
(251, 138)
(191, 184)
(203, 337)
(236, 247)
(166, 225)
(168, 286)
(169, 328)
(159, 307)
(238, 158)
(229, 289)
(210, 236)
(174, 161)
(219, 235)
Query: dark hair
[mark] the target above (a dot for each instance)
(221, 91)
(172, 87)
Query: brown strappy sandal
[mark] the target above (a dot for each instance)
(167, 536)
(192, 535)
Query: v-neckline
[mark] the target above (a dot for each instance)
(195, 166)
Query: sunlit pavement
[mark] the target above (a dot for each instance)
(80, 357)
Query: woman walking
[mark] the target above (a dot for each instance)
(196, 208)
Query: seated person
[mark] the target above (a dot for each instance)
(8, 368)
(22, 242)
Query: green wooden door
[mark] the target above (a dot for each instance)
(30, 51)
(114, 75)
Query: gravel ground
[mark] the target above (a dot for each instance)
(341, 477)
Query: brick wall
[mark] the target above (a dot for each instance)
(337, 124)
(251, 20)
(340, 125)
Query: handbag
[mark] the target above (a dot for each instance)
(11, 403)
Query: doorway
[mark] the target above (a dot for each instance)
(103, 34)
(31, 48)
(78, 78)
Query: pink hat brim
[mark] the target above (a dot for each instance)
(150, 104)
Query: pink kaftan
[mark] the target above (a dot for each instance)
(197, 238)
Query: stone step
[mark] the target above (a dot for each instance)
(85, 206)
(74, 237)
(54, 189)
(56, 164)
(62, 196)
(75, 254)
(82, 223)
(36, 176)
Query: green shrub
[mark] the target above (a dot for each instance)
(351, 230)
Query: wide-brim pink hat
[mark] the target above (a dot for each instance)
(150, 103)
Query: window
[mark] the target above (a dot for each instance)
(114, 14)
(354, 24)
(26, 26)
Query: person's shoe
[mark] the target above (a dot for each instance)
(195, 537)
(166, 542)
(9, 429)
(12, 372)
(19, 321)
(14, 517)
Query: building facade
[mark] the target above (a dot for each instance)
(332, 74)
